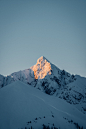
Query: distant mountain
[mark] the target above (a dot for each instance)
(46, 77)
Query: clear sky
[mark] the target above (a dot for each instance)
(55, 29)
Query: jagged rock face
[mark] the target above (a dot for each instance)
(42, 68)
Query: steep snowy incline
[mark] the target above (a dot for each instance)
(24, 106)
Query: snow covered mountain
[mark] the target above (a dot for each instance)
(45, 78)
(39, 74)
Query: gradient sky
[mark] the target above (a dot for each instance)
(55, 29)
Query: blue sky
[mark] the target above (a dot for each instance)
(55, 29)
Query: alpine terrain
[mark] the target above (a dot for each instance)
(42, 97)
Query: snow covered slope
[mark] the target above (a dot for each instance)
(23, 106)
(46, 77)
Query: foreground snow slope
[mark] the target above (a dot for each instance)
(20, 103)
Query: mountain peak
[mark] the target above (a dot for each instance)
(42, 68)
(42, 59)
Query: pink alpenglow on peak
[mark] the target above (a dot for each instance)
(42, 68)
(42, 59)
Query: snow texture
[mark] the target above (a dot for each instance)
(24, 106)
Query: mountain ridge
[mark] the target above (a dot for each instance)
(42, 96)
(49, 79)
